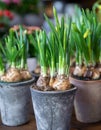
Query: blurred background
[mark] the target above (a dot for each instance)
(30, 12)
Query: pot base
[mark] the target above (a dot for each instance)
(17, 123)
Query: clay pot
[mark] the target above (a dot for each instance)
(87, 102)
(53, 109)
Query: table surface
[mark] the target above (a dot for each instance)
(75, 125)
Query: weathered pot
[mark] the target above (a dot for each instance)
(53, 109)
(15, 102)
(32, 63)
(87, 102)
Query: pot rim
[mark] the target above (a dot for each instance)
(84, 81)
(74, 88)
(19, 83)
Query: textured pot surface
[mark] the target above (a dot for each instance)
(53, 109)
(15, 102)
(87, 100)
(32, 63)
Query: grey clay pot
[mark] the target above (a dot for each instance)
(15, 102)
(53, 109)
(87, 102)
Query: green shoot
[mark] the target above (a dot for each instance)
(60, 36)
(42, 49)
(15, 50)
(85, 36)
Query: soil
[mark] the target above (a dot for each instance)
(47, 88)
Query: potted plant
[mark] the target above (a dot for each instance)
(52, 94)
(32, 48)
(33, 41)
(85, 35)
(33, 52)
(15, 79)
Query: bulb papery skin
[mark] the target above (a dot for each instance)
(2, 73)
(51, 82)
(16, 75)
(99, 67)
(37, 70)
(79, 71)
(42, 82)
(90, 72)
(61, 83)
(100, 70)
(12, 75)
(25, 74)
(96, 74)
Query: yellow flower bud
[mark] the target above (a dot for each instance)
(86, 33)
(99, 7)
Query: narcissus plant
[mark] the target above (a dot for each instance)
(14, 51)
(54, 53)
(85, 36)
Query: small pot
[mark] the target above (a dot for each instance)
(32, 63)
(53, 109)
(33, 20)
(17, 19)
(87, 102)
(15, 102)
